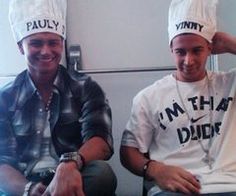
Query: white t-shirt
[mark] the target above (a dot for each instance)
(160, 126)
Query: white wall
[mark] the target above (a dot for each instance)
(114, 33)
(120, 33)
(120, 90)
(11, 61)
(226, 22)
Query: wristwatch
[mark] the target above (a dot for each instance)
(27, 188)
(73, 156)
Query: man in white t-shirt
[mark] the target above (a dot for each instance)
(185, 121)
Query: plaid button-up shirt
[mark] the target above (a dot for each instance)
(78, 111)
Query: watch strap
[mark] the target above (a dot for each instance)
(27, 188)
(73, 156)
(145, 168)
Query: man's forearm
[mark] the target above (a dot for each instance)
(95, 149)
(133, 160)
(223, 43)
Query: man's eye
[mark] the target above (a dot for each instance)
(180, 52)
(197, 51)
(53, 44)
(36, 44)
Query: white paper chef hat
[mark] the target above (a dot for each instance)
(34, 16)
(192, 16)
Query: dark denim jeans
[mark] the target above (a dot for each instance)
(98, 180)
(166, 193)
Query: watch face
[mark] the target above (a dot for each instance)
(72, 156)
(69, 156)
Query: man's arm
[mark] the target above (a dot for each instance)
(223, 43)
(97, 141)
(95, 149)
(68, 178)
(132, 159)
(167, 177)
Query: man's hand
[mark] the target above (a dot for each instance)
(37, 189)
(223, 43)
(173, 178)
(67, 181)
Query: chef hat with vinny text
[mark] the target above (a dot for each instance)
(28, 17)
(192, 16)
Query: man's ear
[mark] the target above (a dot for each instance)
(21, 48)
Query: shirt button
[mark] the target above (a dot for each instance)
(40, 110)
(38, 132)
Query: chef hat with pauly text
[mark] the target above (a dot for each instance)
(28, 17)
(192, 16)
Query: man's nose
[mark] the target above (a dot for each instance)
(189, 59)
(45, 49)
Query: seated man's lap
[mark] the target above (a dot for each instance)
(166, 193)
(99, 179)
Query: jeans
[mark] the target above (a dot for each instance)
(166, 193)
(99, 179)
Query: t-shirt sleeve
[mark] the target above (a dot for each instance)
(139, 129)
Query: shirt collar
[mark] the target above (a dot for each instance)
(59, 82)
(28, 88)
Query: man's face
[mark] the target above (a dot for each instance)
(190, 52)
(42, 52)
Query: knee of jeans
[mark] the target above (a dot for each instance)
(99, 179)
(103, 172)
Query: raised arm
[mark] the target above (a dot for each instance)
(223, 43)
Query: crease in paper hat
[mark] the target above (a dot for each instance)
(28, 17)
(192, 16)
